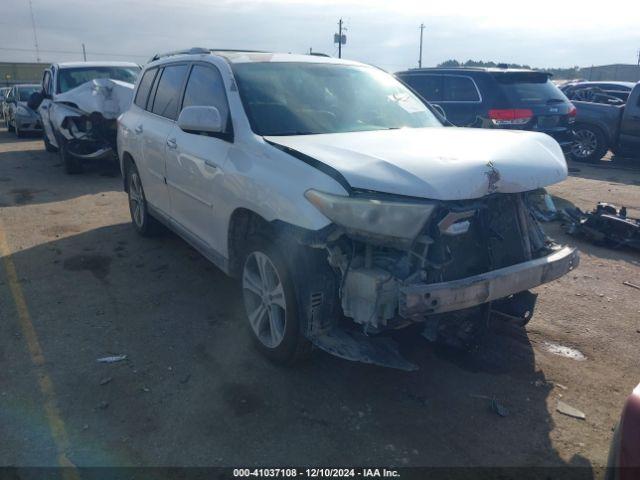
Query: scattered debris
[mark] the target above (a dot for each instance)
(632, 285)
(112, 359)
(103, 405)
(570, 411)
(186, 378)
(563, 351)
(495, 406)
(106, 380)
(499, 408)
(606, 225)
(542, 205)
(560, 386)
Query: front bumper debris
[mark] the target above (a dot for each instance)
(427, 299)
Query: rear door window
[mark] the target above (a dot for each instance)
(428, 86)
(205, 88)
(169, 91)
(529, 88)
(145, 86)
(460, 89)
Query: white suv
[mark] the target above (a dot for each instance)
(339, 198)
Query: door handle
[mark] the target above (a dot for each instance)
(171, 143)
(138, 129)
(210, 163)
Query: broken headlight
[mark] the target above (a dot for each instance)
(375, 217)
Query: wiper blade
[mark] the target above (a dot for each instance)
(286, 134)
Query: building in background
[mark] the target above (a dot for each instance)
(12, 73)
(619, 72)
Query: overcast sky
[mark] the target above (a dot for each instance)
(540, 33)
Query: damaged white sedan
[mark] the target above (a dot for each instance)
(79, 104)
(339, 199)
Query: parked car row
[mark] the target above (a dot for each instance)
(17, 115)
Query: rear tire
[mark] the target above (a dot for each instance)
(142, 220)
(270, 304)
(590, 144)
(72, 165)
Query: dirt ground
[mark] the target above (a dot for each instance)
(194, 391)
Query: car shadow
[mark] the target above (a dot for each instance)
(27, 172)
(193, 378)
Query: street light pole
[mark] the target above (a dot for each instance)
(420, 59)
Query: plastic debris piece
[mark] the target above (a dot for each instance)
(112, 359)
(632, 285)
(106, 380)
(570, 411)
(498, 408)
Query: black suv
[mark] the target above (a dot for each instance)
(496, 98)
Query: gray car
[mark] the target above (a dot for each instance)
(3, 105)
(19, 117)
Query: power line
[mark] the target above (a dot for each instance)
(75, 52)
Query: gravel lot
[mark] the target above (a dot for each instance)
(194, 391)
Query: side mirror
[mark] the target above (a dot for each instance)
(35, 99)
(440, 110)
(200, 120)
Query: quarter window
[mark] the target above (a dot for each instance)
(428, 86)
(205, 88)
(167, 96)
(460, 89)
(145, 86)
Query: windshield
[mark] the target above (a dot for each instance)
(69, 78)
(313, 98)
(25, 92)
(529, 88)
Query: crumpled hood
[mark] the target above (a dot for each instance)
(448, 163)
(103, 95)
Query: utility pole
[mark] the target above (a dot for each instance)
(35, 35)
(420, 59)
(84, 53)
(340, 39)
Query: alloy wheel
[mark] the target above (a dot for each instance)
(585, 143)
(136, 199)
(264, 299)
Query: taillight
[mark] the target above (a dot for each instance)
(510, 116)
(573, 111)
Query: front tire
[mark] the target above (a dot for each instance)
(47, 144)
(590, 144)
(142, 220)
(72, 165)
(270, 304)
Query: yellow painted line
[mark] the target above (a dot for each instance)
(56, 424)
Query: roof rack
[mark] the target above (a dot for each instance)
(199, 50)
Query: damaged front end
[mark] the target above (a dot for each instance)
(444, 265)
(88, 136)
(86, 117)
